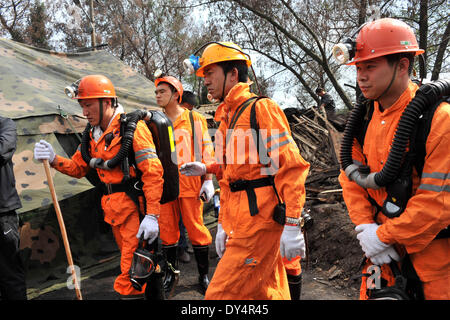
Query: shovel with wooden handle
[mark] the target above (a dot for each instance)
(62, 228)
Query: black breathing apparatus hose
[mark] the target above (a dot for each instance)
(130, 121)
(426, 96)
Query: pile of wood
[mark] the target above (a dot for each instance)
(319, 142)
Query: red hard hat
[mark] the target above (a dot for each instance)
(383, 37)
(95, 86)
(174, 82)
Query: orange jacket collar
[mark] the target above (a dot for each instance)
(181, 118)
(235, 97)
(112, 127)
(401, 102)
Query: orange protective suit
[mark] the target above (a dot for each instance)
(427, 211)
(119, 210)
(188, 203)
(252, 267)
(293, 267)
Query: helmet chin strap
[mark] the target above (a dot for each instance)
(390, 83)
(170, 99)
(223, 88)
(100, 107)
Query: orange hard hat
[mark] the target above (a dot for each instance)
(95, 86)
(174, 82)
(221, 51)
(383, 37)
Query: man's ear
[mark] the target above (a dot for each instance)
(107, 102)
(403, 65)
(234, 74)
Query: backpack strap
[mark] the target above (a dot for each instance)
(261, 148)
(262, 151)
(240, 110)
(197, 148)
(420, 135)
(237, 114)
(369, 113)
(279, 213)
(250, 185)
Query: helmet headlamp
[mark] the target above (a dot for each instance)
(158, 73)
(72, 90)
(344, 51)
(192, 64)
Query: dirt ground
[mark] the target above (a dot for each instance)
(333, 259)
(334, 253)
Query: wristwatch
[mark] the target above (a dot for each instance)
(293, 221)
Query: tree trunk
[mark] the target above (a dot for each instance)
(440, 53)
(321, 60)
(423, 35)
(361, 20)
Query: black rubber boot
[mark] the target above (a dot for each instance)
(171, 272)
(202, 258)
(295, 286)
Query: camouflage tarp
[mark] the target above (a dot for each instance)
(32, 83)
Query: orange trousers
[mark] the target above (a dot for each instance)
(125, 235)
(191, 210)
(293, 267)
(250, 269)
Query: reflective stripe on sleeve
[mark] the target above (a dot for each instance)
(432, 187)
(440, 185)
(144, 154)
(147, 156)
(276, 136)
(436, 175)
(279, 145)
(144, 151)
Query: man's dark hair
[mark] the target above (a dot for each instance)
(319, 90)
(393, 58)
(172, 88)
(240, 65)
(189, 97)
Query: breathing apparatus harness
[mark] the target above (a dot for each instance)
(162, 132)
(397, 171)
(397, 182)
(396, 174)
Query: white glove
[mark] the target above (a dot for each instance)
(193, 169)
(44, 151)
(385, 256)
(221, 240)
(368, 239)
(149, 226)
(292, 243)
(208, 189)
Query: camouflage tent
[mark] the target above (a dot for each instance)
(32, 83)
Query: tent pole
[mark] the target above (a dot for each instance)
(62, 228)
